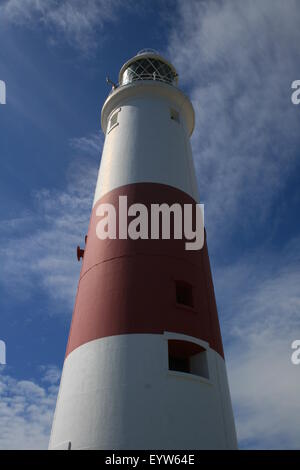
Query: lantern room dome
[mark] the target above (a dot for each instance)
(148, 64)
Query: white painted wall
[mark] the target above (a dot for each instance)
(117, 393)
(147, 145)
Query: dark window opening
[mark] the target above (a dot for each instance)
(184, 293)
(188, 357)
(181, 364)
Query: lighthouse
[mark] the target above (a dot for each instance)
(144, 365)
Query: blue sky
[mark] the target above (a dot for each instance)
(236, 60)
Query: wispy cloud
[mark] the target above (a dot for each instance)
(26, 409)
(76, 20)
(260, 300)
(238, 60)
(90, 145)
(47, 239)
(45, 259)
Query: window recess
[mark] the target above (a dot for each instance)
(184, 293)
(188, 357)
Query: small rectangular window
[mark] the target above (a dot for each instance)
(184, 293)
(174, 115)
(188, 357)
(113, 120)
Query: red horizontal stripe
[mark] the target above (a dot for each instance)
(128, 286)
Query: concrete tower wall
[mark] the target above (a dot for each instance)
(117, 390)
(146, 145)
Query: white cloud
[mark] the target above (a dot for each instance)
(51, 374)
(26, 410)
(90, 145)
(238, 60)
(76, 20)
(46, 240)
(38, 252)
(261, 302)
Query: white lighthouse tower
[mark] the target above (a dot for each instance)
(144, 366)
